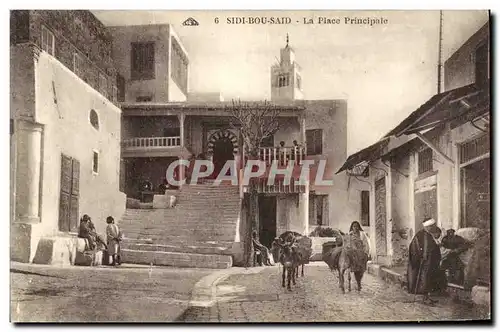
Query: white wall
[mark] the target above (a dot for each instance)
(67, 130)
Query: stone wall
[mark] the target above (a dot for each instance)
(75, 31)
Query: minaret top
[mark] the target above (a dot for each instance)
(287, 56)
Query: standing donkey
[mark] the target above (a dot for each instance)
(350, 257)
(288, 257)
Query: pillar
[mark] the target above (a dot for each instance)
(304, 210)
(181, 172)
(29, 145)
(182, 117)
(302, 121)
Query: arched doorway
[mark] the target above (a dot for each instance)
(223, 146)
(223, 151)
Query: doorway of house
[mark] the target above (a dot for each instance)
(267, 220)
(380, 218)
(475, 185)
(223, 151)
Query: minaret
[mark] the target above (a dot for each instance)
(286, 82)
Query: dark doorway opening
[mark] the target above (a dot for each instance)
(267, 220)
(223, 151)
(476, 209)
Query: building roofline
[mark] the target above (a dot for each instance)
(217, 105)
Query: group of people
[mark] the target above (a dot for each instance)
(295, 153)
(427, 266)
(96, 241)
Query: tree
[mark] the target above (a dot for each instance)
(256, 122)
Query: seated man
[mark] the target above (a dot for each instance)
(260, 249)
(88, 231)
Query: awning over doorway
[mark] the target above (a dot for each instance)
(368, 154)
(455, 106)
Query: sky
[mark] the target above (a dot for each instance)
(384, 72)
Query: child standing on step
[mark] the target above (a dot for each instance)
(114, 237)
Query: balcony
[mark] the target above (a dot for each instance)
(282, 154)
(152, 147)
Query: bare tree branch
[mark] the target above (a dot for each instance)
(255, 122)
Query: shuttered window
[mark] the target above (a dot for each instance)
(474, 148)
(143, 60)
(314, 140)
(425, 161)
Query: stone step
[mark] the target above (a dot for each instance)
(190, 221)
(176, 259)
(178, 241)
(186, 227)
(184, 240)
(187, 237)
(213, 236)
(193, 249)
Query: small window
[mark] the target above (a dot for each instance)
(95, 163)
(103, 85)
(78, 64)
(299, 82)
(144, 99)
(283, 80)
(318, 210)
(143, 61)
(48, 41)
(425, 161)
(314, 141)
(114, 90)
(94, 119)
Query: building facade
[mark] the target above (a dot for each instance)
(156, 134)
(65, 127)
(436, 163)
(96, 111)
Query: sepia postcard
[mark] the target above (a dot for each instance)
(250, 166)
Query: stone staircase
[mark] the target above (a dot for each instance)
(198, 232)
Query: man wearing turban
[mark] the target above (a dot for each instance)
(424, 260)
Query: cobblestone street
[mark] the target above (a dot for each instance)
(259, 297)
(43, 293)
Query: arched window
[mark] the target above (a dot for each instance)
(94, 119)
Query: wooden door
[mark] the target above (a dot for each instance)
(425, 207)
(380, 218)
(69, 194)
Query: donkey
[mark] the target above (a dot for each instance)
(347, 258)
(289, 258)
(303, 248)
